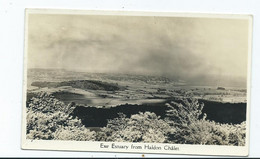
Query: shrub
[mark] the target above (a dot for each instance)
(48, 118)
(191, 129)
(44, 102)
(142, 127)
(74, 133)
(43, 125)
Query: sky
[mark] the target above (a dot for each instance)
(210, 51)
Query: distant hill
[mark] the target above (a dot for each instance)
(82, 84)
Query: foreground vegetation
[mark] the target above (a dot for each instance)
(50, 119)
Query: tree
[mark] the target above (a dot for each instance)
(142, 127)
(192, 128)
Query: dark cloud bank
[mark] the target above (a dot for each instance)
(200, 51)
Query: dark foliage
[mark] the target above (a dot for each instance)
(185, 123)
(82, 84)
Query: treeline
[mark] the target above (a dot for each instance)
(82, 84)
(50, 119)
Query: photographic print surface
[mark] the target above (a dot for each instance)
(136, 82)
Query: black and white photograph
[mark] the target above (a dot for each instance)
(149, 82)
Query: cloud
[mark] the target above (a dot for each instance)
(184, 48)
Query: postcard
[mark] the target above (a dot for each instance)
(137, 82)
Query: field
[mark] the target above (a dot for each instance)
(97, 105)
(121, 89)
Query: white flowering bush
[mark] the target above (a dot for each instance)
(44, 102)
(74, 133)
(142, 127)
(47, 118)
(193, 128)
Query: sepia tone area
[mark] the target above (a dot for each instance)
(146, 79)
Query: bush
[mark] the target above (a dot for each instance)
(48, 118)
(142, 127)
(74, 133)
(191, 129)
(44, 102)
(43, 125)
